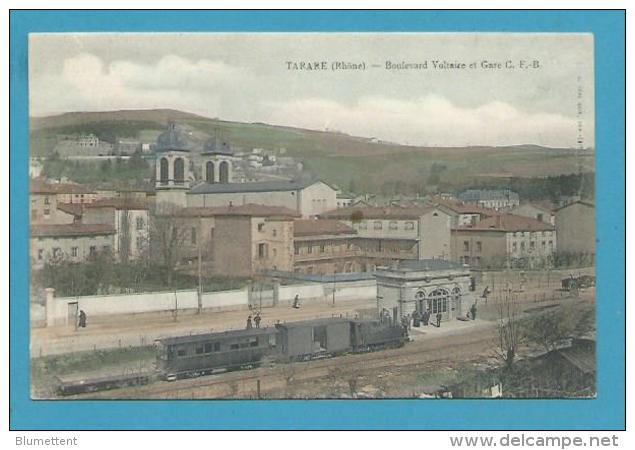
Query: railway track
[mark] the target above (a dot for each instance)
(275, 377)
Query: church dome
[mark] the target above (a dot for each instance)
(216, 146)
(174, 138)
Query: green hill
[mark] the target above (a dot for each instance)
(368, 164)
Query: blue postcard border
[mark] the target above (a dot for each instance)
(607, 411)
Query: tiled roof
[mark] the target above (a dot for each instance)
(74, 229)
(464, 208)
(510, 222)
(581, 202)
(117, 203)
(474, 195)
(71, 208)
(316, 227)
(376, 212)
(249, 209)
(40, 187)
(259, 186)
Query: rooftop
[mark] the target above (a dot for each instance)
(463, 208)
(428, 264)
(318, 227)
(249, 209)
(473, 195)
(219, 335)
(356, 213)
(259, 186)
(510, 222)
(41, 187)
(313, 322)
(117, 203)
(74, 229)
(71, 208)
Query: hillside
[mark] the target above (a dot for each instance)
(337, 157)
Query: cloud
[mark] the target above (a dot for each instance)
(428, 120)
(86, 83)
(217, 89)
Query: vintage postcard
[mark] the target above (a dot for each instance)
(312, 215)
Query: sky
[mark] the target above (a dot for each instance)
(245, 77)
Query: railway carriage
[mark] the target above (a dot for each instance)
(186, 356)
(310, 339)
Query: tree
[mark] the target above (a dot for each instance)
(550, 329)
(167, 238)
(508, 330)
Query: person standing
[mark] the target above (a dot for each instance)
(296, 301)
(82, 319)
(249, 322)
(473, 311)
(257, 319)
(439, 317)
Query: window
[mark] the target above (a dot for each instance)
(410, 226)
(466, 246)
(140, 223)
(532, 245)
(544, 245)
(40, 254)
(74, 252)
(539, 217)
(377, 225)
(363, 225)
(181, 352)
(57, 252)
(322, 248)
(105, 248)
(522, 246)
(514, 246)
(438, 301)
(47, 201)
(393, 225)
(274, 232)
(296, 250)
(479, 246)
(262, 250)
(93, 250)
(139, 243)
(253, 342)
(193, 234)
(261, 226)
(309, 249)
(200, 349)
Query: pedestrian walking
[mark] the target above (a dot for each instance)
(249, 322)
(473, 311)
(426, 318)
(82, 319)
(296, 302)
(439, 317)
(257, 319)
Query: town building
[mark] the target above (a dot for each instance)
(75, 242)
(252, 240)
(175, 181)
(130, 220)
(402, 233)
(87, 145)
(541, 211)
(575, 224)
(325, 246)
(434, 285)
(463, 214)
(488, 198)
(43, 208)
(504, 240)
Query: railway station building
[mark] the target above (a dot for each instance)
(433, 284)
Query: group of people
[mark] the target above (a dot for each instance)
(255, 322)
(418, 318)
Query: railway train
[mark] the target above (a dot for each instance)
(203, 354)
(188, 356)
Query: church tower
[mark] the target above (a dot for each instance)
(217, 160)
(172, 168)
